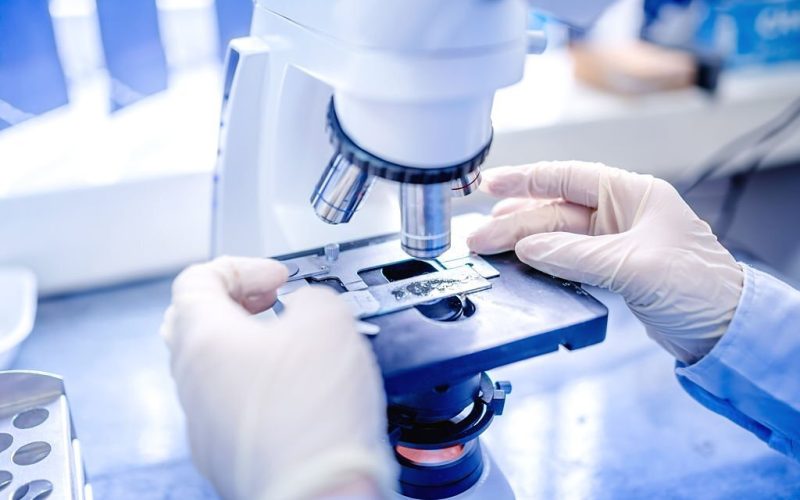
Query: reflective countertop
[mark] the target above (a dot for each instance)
(608, 421)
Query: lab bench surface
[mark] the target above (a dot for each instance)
(608, 421)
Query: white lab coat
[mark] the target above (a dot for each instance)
(752, 375)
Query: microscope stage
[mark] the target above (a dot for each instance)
(523, 314)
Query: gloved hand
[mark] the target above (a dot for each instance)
(630, 233)
(282, 408)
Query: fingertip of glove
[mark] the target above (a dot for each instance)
(484, 240)
(527, 249)
(474, 241)
(253, 270)
(498, 181)
(259, 302)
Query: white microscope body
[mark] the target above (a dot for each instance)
(412, 84)
(326, 96)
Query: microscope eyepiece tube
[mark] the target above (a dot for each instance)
(340, 190)
(425, 215)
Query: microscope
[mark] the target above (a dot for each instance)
(383, 107)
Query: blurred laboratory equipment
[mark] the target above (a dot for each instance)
(742, 33)
(685, 43)
(31, 77)
(18, 300)
(635, 67)
(107, 100)
(40, 456)
(132, 49)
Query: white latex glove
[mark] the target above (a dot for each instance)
(282, 408)
(630, 233)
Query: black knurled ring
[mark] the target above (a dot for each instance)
(373, 165)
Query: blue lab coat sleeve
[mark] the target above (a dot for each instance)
(752, 375)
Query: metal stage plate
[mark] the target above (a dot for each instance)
(524, 314)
